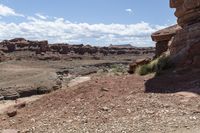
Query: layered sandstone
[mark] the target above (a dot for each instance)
(21, 44)
(182, 43)
(41, 47)
(163, 38)
(187, 11)
(185, 48)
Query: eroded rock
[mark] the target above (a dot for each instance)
(184, 44)
(163, 38)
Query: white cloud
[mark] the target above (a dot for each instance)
(6, 11)
(41, 16)
(129, 10)
(61, 30)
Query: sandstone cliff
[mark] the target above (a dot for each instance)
(183, 43)
(185, 47)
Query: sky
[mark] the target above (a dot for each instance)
(95, 22)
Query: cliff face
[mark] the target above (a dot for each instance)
(183, 43)
(185, 48)
(187, 11)
(40, 47)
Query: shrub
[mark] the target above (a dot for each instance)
(156, 66)
(117, 68)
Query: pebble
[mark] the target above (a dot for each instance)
(12, 112)
(104, 89)
(105, 109)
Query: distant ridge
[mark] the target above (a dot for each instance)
(121, 46)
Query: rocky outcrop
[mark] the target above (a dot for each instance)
(22, 49)
(163, 38)
(182, 43)
(41, 47)
(92, 50)
(187, 11)
(21, 44)
(186, 44)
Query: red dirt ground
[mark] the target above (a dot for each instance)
(112, 104)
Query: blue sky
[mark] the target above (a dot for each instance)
(97, 22)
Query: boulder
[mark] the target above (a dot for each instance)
(138, 62)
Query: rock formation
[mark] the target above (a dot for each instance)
(185, 47)
(138, 62)
(21, 44)
(40, 47)
(187, 11)
(184, 44)
(163, 37)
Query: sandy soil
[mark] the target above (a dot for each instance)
(111, 103)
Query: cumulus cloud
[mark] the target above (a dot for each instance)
(61, 30)
(6, 11)
(129, 10)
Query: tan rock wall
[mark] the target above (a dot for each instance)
(185, 48)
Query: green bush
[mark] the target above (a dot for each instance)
(156, 66)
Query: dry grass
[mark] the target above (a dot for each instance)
(156, 66)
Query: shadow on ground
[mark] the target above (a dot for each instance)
(183, 80)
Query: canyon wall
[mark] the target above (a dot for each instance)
(40, 47)
(185, 47)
